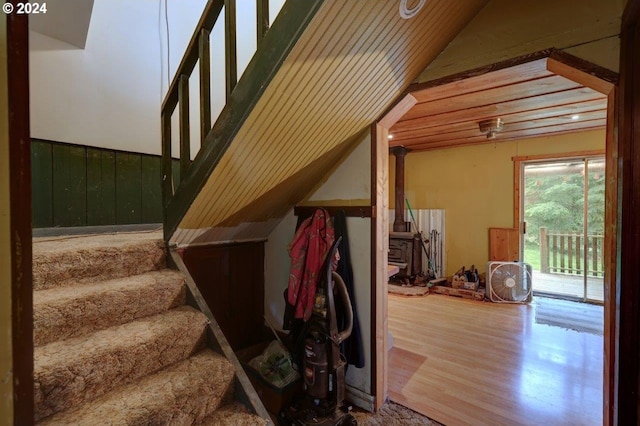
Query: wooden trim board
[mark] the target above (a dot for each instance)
(349, 211)
(610, 259)
(627, 292)
(380, 248)
(20, 195)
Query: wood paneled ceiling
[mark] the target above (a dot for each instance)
(530, 98)
(353, 60)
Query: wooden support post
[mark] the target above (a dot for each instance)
(231, 55)
(262, 20)
(185, 143)
(544, 250)
(204, 55)
(399, 152)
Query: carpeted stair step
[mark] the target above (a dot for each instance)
(184, 394)
(70, 372)
(69, 260)
(233, 414)
(64, 312)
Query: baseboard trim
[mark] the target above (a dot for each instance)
(359, 398)
(90, 230)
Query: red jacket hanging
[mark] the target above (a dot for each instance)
(308, 250)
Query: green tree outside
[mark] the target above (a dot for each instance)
(554, 198)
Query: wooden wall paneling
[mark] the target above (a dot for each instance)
(101, 187)
(151, 188)
(128, 188)
(69, 185)
(75, 185)
(231, 280)
(41, 183)
(504, 244)
(247, 291)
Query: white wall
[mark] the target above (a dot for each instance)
(350, 181)
(109, 93)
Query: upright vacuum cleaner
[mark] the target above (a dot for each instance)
(323, 366)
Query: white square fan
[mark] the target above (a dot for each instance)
(509, 282)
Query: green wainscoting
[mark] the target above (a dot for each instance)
(74, 185)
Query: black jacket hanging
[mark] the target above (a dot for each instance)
(352, 346)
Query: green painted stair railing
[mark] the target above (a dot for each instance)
(273, 46)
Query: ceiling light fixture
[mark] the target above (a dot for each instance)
(406, 13)
(575, 116)
(390, 136)
(491, 127)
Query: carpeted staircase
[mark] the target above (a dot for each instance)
(115, 343)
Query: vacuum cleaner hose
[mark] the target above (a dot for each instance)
(342, 289)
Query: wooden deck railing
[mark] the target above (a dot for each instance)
(569, 253)
(179, 189)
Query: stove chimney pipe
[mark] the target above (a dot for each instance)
(399, 152)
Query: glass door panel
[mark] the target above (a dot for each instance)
(554, 199)
(594, 244)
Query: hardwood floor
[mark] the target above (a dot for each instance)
(463, 362)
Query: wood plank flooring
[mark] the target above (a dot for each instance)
(463, 362)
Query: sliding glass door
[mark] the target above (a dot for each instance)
(563, 205)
